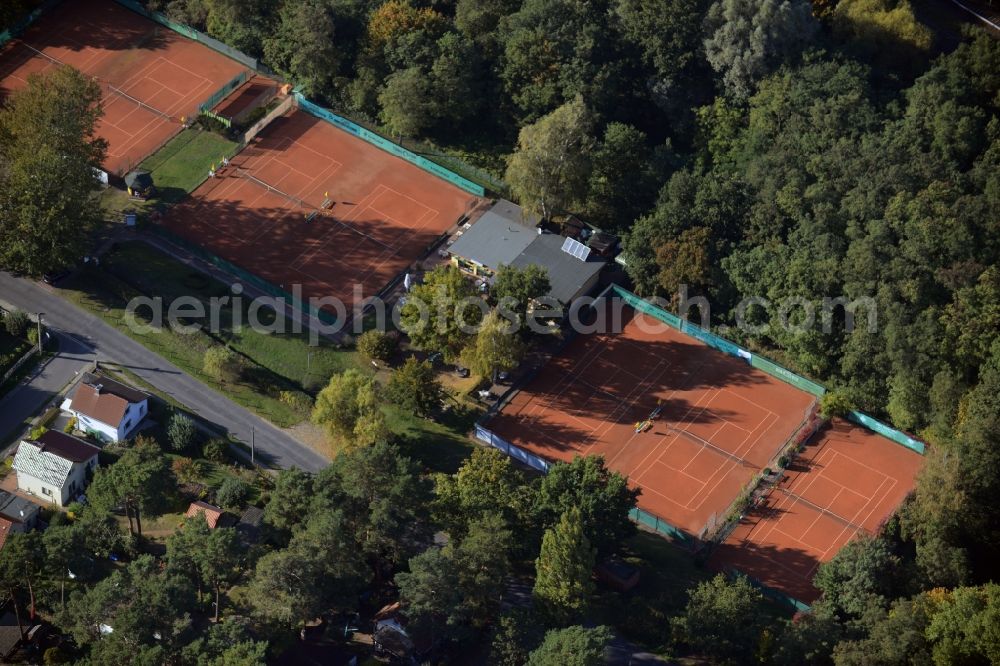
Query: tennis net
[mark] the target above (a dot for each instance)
(138, 102)
(708, 445)
(270, 188)
(840, 519)
(45, 55)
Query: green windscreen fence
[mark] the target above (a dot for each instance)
(388, 146)
(723, 345)
(659, 525)
(191, 33)
(771, 593)
(887, 432)
(786, 375)
(246, 276)
(224, 91)
(761, 363)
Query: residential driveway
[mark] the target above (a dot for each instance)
(24, 401)
(274, 447)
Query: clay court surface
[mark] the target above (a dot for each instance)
(245, 96)
(849, 480)
(147, 61)
(721, 420)
(384, 212)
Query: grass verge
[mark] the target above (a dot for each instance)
(276, 365)
(178, 168)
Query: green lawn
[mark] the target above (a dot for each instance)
(440, 446)
(178, 168)
(275, 363)
(183, 163)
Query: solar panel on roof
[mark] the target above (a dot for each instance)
(576, 248)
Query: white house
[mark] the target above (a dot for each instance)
(106, 409)
(56, 467)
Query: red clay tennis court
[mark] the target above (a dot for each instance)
(848, 480)
(720, 422)
(265, 212)
(134, 59)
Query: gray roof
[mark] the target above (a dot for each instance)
(498, 237)
(50, 466)
(16, 507)
(567, 274)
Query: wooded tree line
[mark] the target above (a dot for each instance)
(355, 536)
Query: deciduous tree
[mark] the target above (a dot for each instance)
(348, 397)
(440, 314)
(721, 619)
(748, 40)
(496, 347)
(48, 152)
(223, 364)
(549, 169)
(304, 47)
(563, 570)
(514, 289)
(414, 386)
(603, 497)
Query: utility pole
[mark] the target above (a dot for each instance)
(253, 436)
(38, 321)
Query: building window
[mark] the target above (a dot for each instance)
(46, 492)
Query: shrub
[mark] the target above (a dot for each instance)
(182, 433)
(38, 432)
(376, 345)
(70, 426)
(834, 403)
(223, 364)
(232, 493)
(16, 322)
(297, 400)
(55, 655)
(185, 469)
(33, 336)
(216, 450)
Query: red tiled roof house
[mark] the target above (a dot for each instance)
(107, 409)
(212, 513)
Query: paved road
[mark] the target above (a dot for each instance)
(24, 401)
(273, 445)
